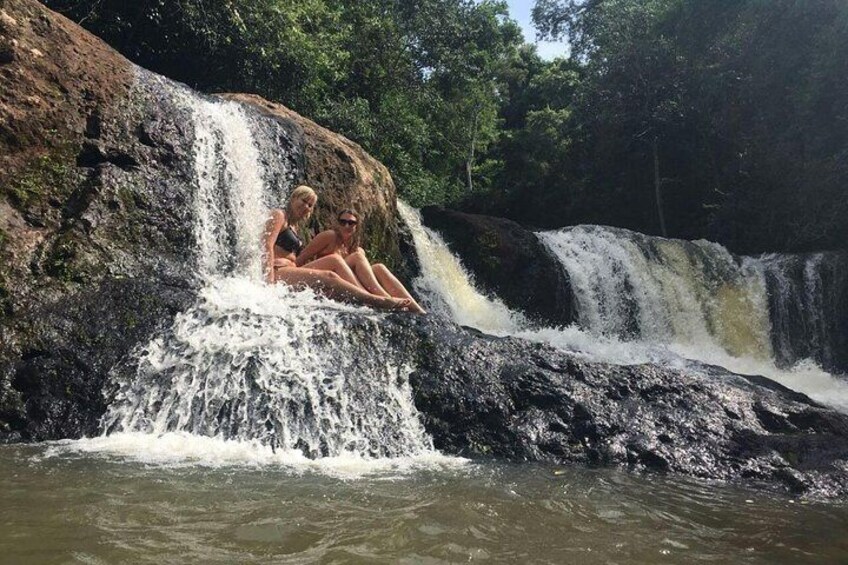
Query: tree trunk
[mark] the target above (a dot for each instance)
(469, 164)
(657, 189)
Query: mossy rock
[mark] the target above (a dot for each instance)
(50, 176)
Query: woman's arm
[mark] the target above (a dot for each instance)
(275, 224)
(321, 244)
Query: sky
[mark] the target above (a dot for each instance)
(519, 10)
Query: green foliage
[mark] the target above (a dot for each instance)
(732, 110)
(740, 103)
(415, 83)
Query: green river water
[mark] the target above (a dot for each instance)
(67, 507)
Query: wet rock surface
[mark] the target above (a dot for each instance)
(808, 304)
(492, 397)
(97, 248)
(507, 260)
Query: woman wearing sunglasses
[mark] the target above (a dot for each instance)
(330, 275)
(343, 241)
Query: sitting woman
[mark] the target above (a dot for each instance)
(343, 241)
(330, 275)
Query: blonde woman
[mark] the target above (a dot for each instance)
(343, 242)
(330, 275)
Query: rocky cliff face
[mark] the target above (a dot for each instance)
(91, 229)
(97, 180)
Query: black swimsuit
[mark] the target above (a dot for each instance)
(289, 241)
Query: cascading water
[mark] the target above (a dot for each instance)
(278, 369)
(663, 291)
(448, 289)
(806, 303)
(639, 299)
(226, 226)
(692, 299)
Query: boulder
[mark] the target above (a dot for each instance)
(509, 261)
(93, 228)
(344, 176)
(481, 396)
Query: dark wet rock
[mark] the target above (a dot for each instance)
(481, 396)
(507, 260)
(75, 343)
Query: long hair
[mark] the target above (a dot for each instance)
(301, 191)
(355, 238)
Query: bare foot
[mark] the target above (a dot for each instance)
(398, 304)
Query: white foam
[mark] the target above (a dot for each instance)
(805, 376)
(181, 449)
(255, 361)
(602, 349)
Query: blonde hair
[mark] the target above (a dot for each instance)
(301, 191)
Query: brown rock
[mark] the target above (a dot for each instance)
(80, 74)
(6, 21)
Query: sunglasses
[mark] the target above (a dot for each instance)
(348, 222)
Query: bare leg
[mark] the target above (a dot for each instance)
(393, 286)
(337, 265)
(333, 286)
(360, 266)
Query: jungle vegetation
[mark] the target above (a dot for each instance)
(719, 119)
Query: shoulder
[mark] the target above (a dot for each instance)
(275, 222)
(277, 217)
(325, 239)
(326, 235)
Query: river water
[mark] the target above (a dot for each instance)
(59, 504)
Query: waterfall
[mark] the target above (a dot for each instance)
(283, 370)
(251, 361)
(694, 300)
(804, 297)
(448, 289)
(663, 291)
(640, 299)
(229, 195)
